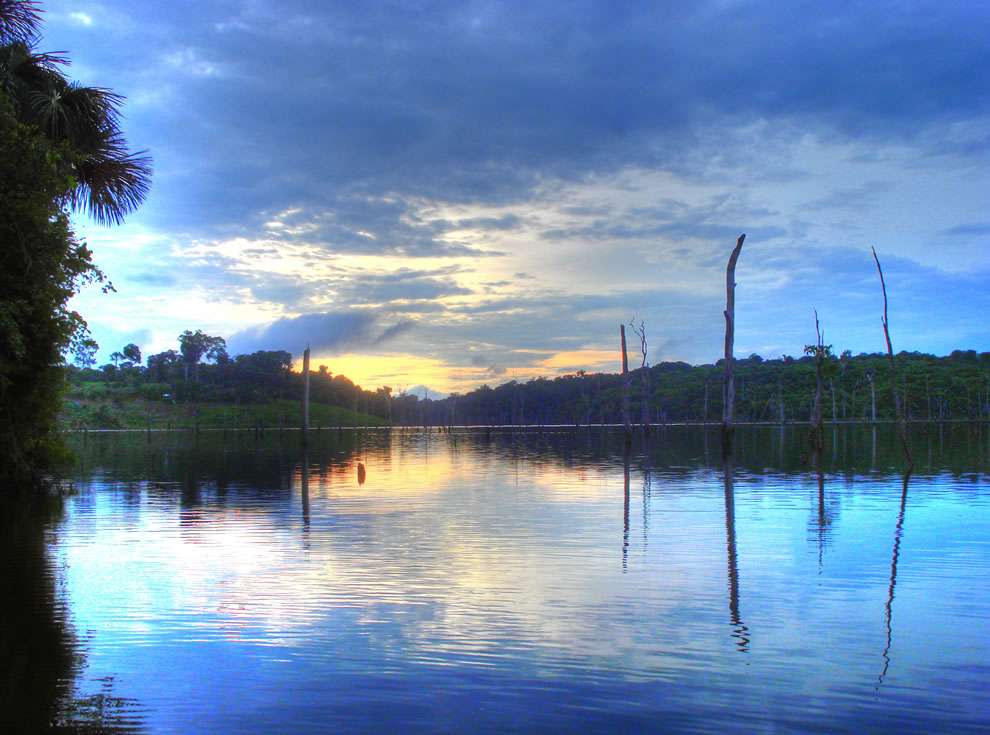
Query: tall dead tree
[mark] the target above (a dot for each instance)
(304, 433)
(898, 408)
(644, 373)
(728, 383)
(821, 352)
(626, 422)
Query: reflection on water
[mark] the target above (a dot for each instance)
(43, 658)
(893, 577)
(739, 629)
(532, 581)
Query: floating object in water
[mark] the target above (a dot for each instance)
(362, 473)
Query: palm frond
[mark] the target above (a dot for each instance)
(111, 181)
(24, 71)
(80, 116)
(19, 19)
(111, 186)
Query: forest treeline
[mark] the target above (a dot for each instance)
(857, 388)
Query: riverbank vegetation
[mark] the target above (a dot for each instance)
(61, 148)
(262, 388)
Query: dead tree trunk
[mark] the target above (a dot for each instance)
(644, 374)
(820, 352)
(898, 409)
(728, 383)
(304, 434)
(626, 421)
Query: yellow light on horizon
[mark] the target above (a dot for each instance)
(402, 371)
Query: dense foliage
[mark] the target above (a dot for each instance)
(41, 266)
(60, 147)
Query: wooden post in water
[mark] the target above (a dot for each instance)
(304, 433)
(728, 383)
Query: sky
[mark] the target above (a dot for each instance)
(439, 195)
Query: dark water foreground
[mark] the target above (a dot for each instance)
(507, 582)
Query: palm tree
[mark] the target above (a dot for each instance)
(83, 121)
(18, 19)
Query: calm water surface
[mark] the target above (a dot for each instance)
(513, 582)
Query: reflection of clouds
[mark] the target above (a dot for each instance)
(217, 572)
(445, 556)
(457, 551)
(465, 557)
(467, 562)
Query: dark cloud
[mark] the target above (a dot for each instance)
(352, 110)
(366, 225)
(329, 129)
(328, 332)
(856, 199)
(692, 226)
(977, 229)
(392, 332)
(492, 370)
(497, 224)
(401, 285)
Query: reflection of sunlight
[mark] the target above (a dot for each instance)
(525, 561)
(449, 554)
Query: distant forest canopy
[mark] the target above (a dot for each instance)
(857, 388)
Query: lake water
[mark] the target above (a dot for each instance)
(509, 581)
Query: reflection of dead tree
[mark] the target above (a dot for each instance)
(728, 383)
(740, 631)
(898, 408)
(304, 491)
(893, 577)
(625, 506)
(823, 520)
(644, 372)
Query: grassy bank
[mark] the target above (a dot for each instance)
(98, 406)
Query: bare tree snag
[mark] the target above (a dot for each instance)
(821, 352)
(728, 383)
(626, 422)
(644, 373)
(304, 434)
(898, 409)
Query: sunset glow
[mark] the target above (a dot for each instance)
(502, 219)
